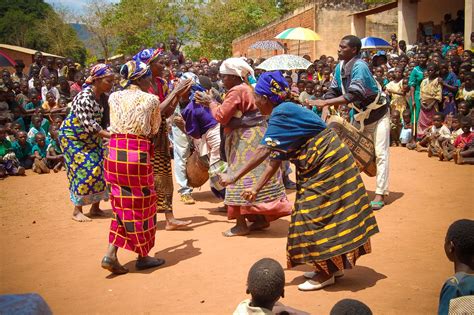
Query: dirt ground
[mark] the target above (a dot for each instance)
(44, 251)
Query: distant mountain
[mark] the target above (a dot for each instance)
(81, 31)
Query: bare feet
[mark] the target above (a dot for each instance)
(80, 217)
(175, 224)
(236, 231)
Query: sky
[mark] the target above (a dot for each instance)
(77, 7)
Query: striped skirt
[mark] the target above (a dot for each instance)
(162, 170)
(129, 172)
(332, 219)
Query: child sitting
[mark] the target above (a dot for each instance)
(438, 132)
(35, 129)
(395, 127)
(265, 283)
(406, 133)
(9, 164)
(48, 87)
(54, 154)
(40, 153)
(23, 150)
(34, 105)
(464, 143)
(350, 307)
(457, 294)
(448, 144)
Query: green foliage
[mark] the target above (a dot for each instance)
(136, 28)
(34, 24)
(220, 22)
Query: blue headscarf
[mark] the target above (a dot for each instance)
(148, 55)
(272, 85)
(98, 71)
(133, 70)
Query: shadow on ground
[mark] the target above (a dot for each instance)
(356, 279)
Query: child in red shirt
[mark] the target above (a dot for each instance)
(464, 143)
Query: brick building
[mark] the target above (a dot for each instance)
(329, 18)
(333, 19)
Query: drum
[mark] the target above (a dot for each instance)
(361, 146)
(197, 170)
(215, 169)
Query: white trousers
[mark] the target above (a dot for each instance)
(379, 131)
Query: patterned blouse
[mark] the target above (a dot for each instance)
(133, 111)
(87, 110)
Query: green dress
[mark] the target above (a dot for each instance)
(416, 76)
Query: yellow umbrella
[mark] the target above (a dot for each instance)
(299, 34)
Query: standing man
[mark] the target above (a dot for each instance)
(354, 84)
(175, 54)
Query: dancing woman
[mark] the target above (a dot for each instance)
(244, 128)
(80, 138)
(162, 156)
(134, 119)
(332, 220)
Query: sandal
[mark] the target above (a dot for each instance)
(113, 266)
(148, 262)
(377, 205)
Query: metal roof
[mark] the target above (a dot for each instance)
(27, 50)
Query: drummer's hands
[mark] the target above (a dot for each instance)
(203, 98)
(249, 194)
(225, 179)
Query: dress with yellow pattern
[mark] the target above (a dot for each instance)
(83, 151)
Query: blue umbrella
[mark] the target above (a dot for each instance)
(375, 43)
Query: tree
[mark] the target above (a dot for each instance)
(136, 28)
(95, 20)
(223, 21)
(34, 24)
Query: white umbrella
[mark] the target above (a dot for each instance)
(284, 62)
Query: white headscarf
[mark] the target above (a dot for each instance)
(236, 66)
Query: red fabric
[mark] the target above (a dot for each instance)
(129, 172)
(239, 98)
(162, 88)
(462, 140)
(272, 210)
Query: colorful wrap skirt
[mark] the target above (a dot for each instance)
(129, 171)
(162, 170)
(271, 201)
(332, 219)
(84, 159)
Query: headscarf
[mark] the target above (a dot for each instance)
(237, 67)
(133, 70)
(196, 87)
(147, 56)
(98, 71)
(272, 85)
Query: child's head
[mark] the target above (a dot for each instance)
(318, 90)
(398, 73)
(327, 73)
(62, 102)
(265, 282)
(463, 108)
(301, 85)
(468, 82)
(406, 117)
(33, 95)
(466, 124)
(438, 119)
(36, 120)
(53, 131)
(289, 80)
(432, 70)
(405, 85)
(21, 136)
(40, 139)
(15, 127)
(51, 98)
(350, 307)
(456, 122)
(309, 87)
(379, 72)
(459, 242)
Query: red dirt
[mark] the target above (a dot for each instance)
(44, 251)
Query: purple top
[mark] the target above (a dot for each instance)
(198, 119)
